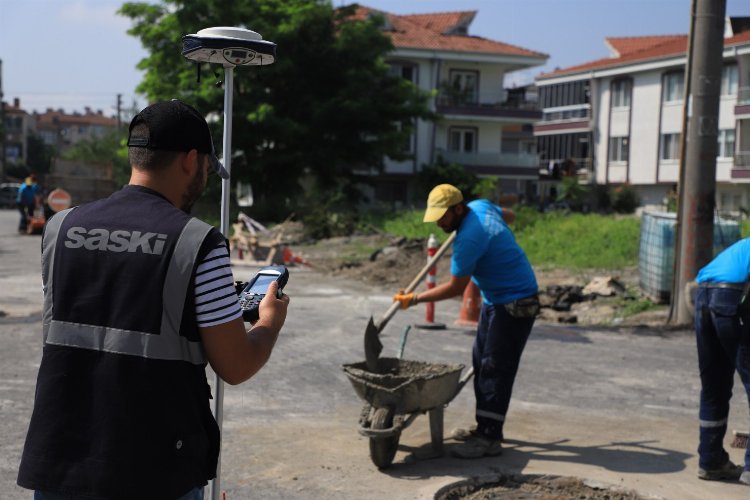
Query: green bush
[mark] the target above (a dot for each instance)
(624, 199)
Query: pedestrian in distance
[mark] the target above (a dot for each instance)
(485, 252)
(722, 330)
(138, 298)
(27, 200)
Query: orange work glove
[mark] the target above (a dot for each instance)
(406, 300)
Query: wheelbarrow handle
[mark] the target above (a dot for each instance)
(464, 379)
(415, 282)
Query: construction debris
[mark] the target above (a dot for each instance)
(606, 286)
(254, 244)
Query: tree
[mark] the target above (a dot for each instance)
(107, 149)
(39, 154)
(327, 108)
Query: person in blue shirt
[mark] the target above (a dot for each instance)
(26, 200)
(722, 328)
(485, 252)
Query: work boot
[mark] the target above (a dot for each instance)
(726, 471)
(462, 434)
(745, 477)
(478, 446)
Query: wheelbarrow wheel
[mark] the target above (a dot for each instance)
(383, 449)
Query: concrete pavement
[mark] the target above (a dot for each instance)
(617, 406)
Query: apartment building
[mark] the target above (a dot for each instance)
(18, 125)
(484, 127)
(619, 119)
(62, 130)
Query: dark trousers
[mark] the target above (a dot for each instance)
(27, 211)
(497, 353)
(723, 338)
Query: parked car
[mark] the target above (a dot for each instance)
(8, 191)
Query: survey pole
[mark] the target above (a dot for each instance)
(229, 47)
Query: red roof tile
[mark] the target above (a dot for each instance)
(628, 44)
(442, 22)
(644, 49)
(427, 31)
(53, 118)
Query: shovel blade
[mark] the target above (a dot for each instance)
(373, 346)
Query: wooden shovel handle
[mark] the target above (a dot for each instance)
(415, 282)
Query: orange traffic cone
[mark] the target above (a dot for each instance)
(470, 306)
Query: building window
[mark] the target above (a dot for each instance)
(618, 149)
(621, 93)
(674, 84)
(465, 84)
(462, 140)
(670, 146)
(729, 80)
(726, 143)
(404, 70)
(408, 145)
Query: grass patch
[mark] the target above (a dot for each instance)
(631, 307)
(579, 241)
(553, 239)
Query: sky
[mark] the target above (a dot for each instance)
(73, 54)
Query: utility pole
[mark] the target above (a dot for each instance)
(2, 125)
(695, 216)
(119, 111)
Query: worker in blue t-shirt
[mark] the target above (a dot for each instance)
(722, 328)
(485, 252)
(26, 201)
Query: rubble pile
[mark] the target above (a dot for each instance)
(559, 302)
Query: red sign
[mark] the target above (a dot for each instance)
(58, 200)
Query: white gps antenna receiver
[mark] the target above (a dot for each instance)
(229, 47)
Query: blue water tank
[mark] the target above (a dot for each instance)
(656, 255)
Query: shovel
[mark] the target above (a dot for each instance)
(373, 346)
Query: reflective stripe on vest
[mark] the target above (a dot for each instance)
(168, 345)
(51, 229)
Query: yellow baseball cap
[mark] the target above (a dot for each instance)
(441, 198)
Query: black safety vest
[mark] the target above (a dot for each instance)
(122, 401)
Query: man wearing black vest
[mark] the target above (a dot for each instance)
(138, 297)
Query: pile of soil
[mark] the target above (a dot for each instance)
(393, 263)
(527, 487)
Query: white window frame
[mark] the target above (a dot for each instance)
(729, 80)
(726, 140)
(397, 69)
(669, 146)
(674, 87)
(467, 82)
(463, 134)
(621, 91)
(619, 149)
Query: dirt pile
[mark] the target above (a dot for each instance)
(591, 297)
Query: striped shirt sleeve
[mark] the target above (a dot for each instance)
(216, 300)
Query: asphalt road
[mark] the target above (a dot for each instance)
(615, 406)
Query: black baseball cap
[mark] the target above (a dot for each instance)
(175, 126)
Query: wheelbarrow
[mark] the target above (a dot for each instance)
(397, 394)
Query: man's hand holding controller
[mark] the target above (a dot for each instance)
(272, 309)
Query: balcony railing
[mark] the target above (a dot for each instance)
(496, 101)
(581, 168)
(567, 113)
(742, 159)
(481, 159)
(743, 96)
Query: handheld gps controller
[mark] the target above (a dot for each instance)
(255, 289)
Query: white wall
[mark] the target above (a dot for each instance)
(644, 133)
